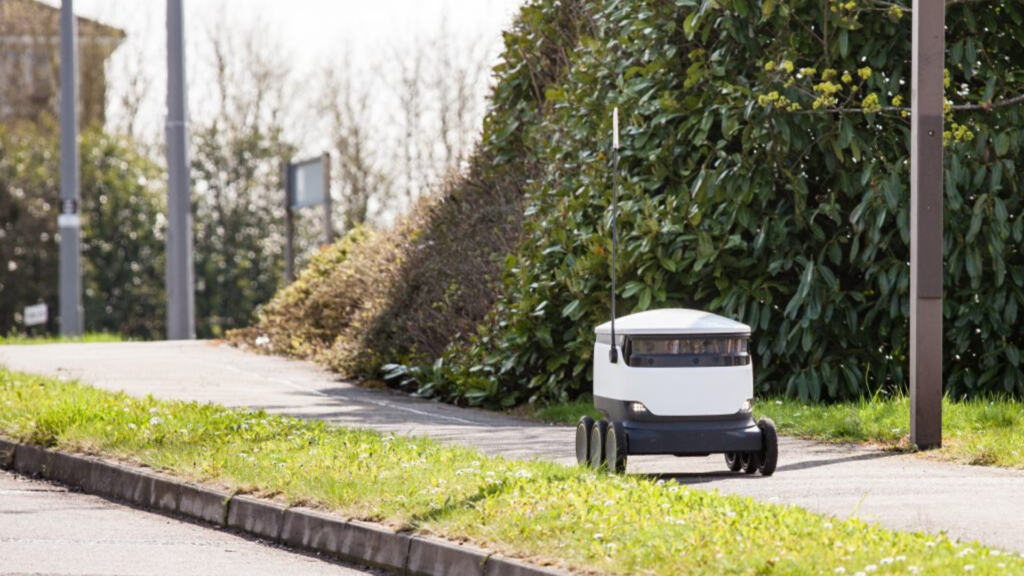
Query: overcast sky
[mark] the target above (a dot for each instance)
(309, 30)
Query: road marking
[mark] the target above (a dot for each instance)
(310, 390)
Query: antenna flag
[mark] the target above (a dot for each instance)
(615, 128)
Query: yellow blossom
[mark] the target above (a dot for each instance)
(827, 88)
(897, 100)
(864, 73)
(870, 104)
(787, 66)
(769, 66)
(847, 78)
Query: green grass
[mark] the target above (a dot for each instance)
(978, 432)
(21, 340)
(567, 413)
(535, 510)
(985, 432)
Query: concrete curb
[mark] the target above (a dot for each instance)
(349, 540)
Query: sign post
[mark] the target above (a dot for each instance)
(306, 183)
(926, 211)
(289, 226)
(69, 222)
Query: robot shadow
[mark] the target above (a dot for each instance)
(716, 476)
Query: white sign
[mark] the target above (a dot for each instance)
(36, 315)
(69, 221)
(308, 183)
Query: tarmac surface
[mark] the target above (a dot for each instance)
(45, 529)
(900, 491)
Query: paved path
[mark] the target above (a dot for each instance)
(44, 529)
(899, 491)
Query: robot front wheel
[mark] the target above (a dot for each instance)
(763, 461)
(604, 444)
(600, 444)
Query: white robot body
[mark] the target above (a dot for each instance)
(676, 362)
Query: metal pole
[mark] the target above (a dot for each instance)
(926, 210)
(328, 221)
(68, 222)
(289, 226)
(181, 321)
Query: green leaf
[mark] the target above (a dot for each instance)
(572, 310)
(1002, 143)
(645, 299)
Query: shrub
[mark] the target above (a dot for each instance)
(759, 188)
(764, 170)
(405, 294)
(122, 232)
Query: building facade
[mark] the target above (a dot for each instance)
(30, 63)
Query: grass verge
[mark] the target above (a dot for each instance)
(984, 432)
(535, 510)
(21, 340)
(978, 432)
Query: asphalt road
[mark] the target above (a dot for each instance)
(903, 492)
(45, 529)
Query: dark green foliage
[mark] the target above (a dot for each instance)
(123, 244)
(239, 222)
(795, 222)
(122, 234)
(740, 196)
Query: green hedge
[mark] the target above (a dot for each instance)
(753, 187)
(122, 231)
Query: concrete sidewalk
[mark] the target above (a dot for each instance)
(45, 529)
(899, 491)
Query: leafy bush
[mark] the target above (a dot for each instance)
(405, 294)
(764, 168)
(122, 232)
(759, 188)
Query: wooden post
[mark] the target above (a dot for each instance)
(926, 211)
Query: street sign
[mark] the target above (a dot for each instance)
(36, 315)
(307, 183)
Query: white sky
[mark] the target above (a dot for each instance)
(309, 30)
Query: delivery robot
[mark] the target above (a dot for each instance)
(672, 381)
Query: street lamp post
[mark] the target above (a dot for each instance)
(68, 221)
(181, 322)
(926, 211)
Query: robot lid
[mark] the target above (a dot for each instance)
(670, 321)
